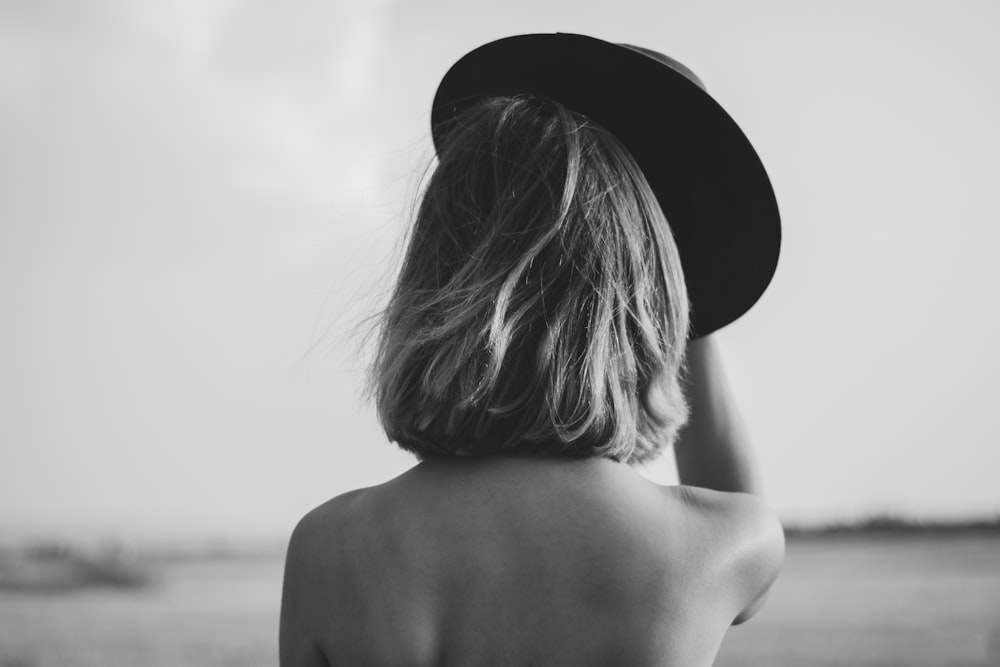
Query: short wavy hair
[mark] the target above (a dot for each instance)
(541, 308)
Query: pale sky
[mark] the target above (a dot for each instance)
(202, 200)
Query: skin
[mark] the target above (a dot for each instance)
(548, 562)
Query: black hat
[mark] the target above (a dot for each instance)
(707, 177)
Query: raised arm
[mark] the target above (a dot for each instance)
(713, 450)
(714, 453)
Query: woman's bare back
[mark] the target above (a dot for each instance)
(524, 562)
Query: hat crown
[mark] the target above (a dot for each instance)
(678, 67)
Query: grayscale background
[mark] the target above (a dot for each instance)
(202, 200)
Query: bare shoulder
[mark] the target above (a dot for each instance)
(317, 546)
(318, 556)
(741, 537)
(324, 522)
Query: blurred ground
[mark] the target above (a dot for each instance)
(861, 600)
(910, 600)
(203, 613)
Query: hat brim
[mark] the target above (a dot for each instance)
(706, 175)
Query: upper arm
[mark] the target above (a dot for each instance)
(714, 449)
(298, 637)
(747, 544)
(761, 556)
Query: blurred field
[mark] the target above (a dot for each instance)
(906, 600)
(203, 613)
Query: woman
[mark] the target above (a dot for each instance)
(531, 353)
